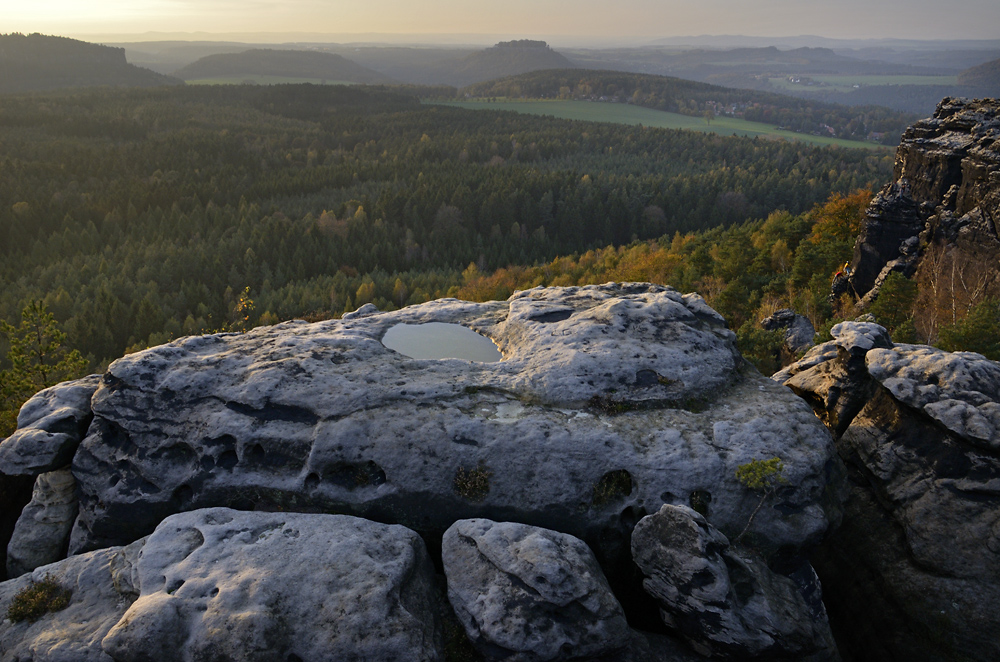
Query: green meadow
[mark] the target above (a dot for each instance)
(264, 80)
(620, 113)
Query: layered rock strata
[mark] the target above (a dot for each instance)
(945, 193)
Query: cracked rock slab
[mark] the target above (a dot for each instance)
(527, 594)
(224, 584)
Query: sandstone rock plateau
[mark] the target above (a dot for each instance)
(610, 402)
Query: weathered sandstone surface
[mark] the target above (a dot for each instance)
(918, 556)
(725, 601)
(523, 593)
(220, 584)
(610, 401)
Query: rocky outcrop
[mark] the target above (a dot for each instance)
(224, 584)
(919, 554)
(725, 602)
(527, 594)
(50, 426)
(610, 401)
(41, 535)
(73, 634)
(833, 376)
(945, 190)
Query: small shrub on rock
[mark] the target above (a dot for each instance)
(473, 484)
(42, 597)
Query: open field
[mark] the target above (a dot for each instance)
(264, 80)
(620, 113)
(844, 83)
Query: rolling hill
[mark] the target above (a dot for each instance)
(986, 75)
(280, 63)
(39, 62)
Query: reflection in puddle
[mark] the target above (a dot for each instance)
(437, 340)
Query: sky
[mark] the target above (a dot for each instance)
(647, 19)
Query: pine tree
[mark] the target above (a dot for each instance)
(38, 360)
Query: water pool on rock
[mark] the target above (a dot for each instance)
(437, 340)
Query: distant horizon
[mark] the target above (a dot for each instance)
(558, 20)
(459, 40)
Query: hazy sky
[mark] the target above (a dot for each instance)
(915, 19)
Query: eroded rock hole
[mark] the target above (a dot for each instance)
(552, 316)
(352, 476)
(612, 486)
(228, 460)
(699, 501)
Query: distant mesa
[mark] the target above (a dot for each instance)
(507, 58)
(38, 62)
(297, 65)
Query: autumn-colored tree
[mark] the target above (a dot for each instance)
(839, 218)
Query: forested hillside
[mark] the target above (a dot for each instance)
(272, 62)
(137, 216)
(986, 76)
(40, 62)
(693, 98)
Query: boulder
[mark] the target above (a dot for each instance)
(919, 554)
(49, 428)
(73, 634)
(799, 331)
(833, 376)
(958, 390)
(224, 584)
(724, 601)
(527, 594)
(610, 401)
(41, 534)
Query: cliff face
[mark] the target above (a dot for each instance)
(945, 192)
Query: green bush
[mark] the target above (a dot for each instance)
(978, 332)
